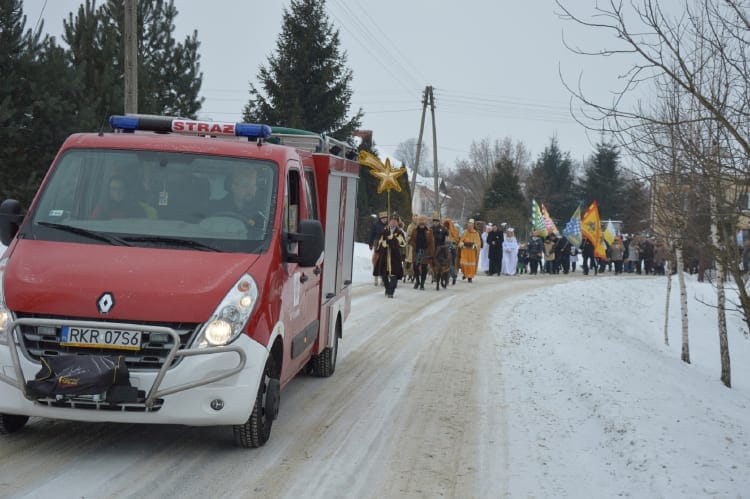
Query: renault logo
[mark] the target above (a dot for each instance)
(105, 302)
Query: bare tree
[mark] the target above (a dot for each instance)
(469, 180)
(698, 62)
(406, 152)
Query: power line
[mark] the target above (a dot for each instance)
(388, 38)
(494, 100)
(377, 57)
(373, 40)
(39, 19)
(394, 111)
(543, 119)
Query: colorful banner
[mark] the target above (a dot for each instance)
(537, 220)
(591, 229)
(572, 229)
(548, 223)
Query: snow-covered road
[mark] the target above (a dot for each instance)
(405, 414)
(492, 389)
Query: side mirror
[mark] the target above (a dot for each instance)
(11, 217)
(309, 241)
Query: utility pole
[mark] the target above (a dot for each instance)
(130, 39)
(434, 152)
(419, 146)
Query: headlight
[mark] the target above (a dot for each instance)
(230, 317)
(6, 317)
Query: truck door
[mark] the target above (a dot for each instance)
(313, 274)
(302, 289)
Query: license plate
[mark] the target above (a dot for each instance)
(86, 337)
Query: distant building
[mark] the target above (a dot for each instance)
(423, 197)
(678, 199)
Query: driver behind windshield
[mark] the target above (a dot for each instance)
(241, 198)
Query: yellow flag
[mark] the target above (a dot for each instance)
(600, 251)
(609, 233)
(591, 226)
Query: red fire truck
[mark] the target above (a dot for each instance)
(178, 272)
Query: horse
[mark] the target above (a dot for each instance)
(441, 266)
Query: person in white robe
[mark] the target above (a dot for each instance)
(510, 252)
(484, 253)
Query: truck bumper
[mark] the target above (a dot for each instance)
(191, 406)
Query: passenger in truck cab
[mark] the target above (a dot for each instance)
(120, 202)
(242, 197)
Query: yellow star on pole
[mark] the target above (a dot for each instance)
(388, 177)
(371, 161)
(384, 172)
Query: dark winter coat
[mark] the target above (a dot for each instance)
(587, 249)
(616, 251)
(647, 249)
(422, 239)
(523, 256)
(439, 233)
(377, 229)
(495, 242)
(562, 249)
(388, 248)
(535, 248)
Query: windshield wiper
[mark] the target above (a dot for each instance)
(113, 240)
(173, 241)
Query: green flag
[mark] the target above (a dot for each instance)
(537, 220)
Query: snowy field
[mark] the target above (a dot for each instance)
(598, 406)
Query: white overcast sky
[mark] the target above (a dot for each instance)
(494, 65)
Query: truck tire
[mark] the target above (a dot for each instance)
(255, 431)
(324, 364)
(11, 423)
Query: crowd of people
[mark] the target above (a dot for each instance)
(438, 247)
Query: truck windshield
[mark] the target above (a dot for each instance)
(156, 199)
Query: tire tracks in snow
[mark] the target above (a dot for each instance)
(414, 409)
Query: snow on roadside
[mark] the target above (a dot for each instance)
(362, 265)
(598, 406)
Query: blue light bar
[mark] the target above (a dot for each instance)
(123, 122)
(252, 130)
(189, 127)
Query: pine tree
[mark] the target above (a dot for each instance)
(551, 181)
(503, 200)
(169, 77)
(18, 48)
(603, 181)
(36, 111)
(635, 211)
(93, 49)
(306, 83)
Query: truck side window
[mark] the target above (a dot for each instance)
(292, 200)
(312, 201)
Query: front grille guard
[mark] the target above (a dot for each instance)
(153, 393)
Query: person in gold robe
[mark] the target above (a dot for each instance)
(469, 245)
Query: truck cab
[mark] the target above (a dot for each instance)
(211, 263)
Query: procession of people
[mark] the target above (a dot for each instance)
(486, 249)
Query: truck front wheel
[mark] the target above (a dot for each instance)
(11, 423)
(255, 431)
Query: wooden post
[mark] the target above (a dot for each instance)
(419, 148)
(130, 40)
